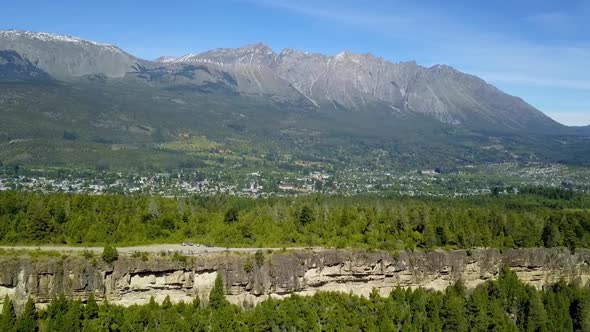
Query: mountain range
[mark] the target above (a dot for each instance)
(77, 97)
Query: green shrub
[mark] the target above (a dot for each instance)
(259, 258)
(248, 266)
(88, 254)
(178, 257)
(110, 254)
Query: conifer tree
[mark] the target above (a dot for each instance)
(535, 315)
(27, 320)
(217, 296)
(91, 308)
(8, 319)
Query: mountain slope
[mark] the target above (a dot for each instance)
(65, 56)
(122, 124)
(66, 101)
(13, 67)
(362, 82)
(347, 81)
(216, 79)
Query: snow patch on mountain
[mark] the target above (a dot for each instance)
(51, 37)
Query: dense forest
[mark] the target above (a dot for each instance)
(502, 305)
(534, 218)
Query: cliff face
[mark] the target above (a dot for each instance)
(252, 278)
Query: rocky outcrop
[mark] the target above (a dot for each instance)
(363, 82)
(64, 56)
(250, 279)
(294, 80)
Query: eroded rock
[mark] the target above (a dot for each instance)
(134, 281)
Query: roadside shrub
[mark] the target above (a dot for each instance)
(259, 258)
(248, 266)
(110, 254)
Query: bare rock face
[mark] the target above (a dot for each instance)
(66, 56)
(14, 67)
(363, 82)
(301, 80)
(250, 279)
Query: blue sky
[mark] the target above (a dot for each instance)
(536, 49)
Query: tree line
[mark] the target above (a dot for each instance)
(502, 305)
(534, 218)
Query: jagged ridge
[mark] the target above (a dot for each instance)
(363, 82)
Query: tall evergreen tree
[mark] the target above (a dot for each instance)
(8, 319)
(454, 313)
(217, 295)
(27, 320)
(535, 318)
(91, 308)
(74, 317)
(305, 215)
(557, 305)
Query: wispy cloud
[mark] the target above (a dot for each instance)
(553, 20)
(498, 56)
(343, 15)
(560, 22)
(407, 22)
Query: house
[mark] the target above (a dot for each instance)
(435, 171)
(284, 186)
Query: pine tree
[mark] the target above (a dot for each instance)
(8, 319)
(454, 312)
(535, 314)
(27, 321)
(557, 305)
(167, 303)
(110, 254)
(305, 216)
(74, 317)
(217, 296)
(91, 308)
(232, 215)
(478, 309)
(57, 307)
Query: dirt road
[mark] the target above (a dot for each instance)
(153, 248)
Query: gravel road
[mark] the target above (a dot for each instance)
(153, 248)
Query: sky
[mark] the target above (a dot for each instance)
(538, 50)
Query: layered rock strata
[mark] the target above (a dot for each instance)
(250, 279)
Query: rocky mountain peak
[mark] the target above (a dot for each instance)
(260, 47)
(65, 56)
(443, 69)
(166, 58)
(251, 54)
(351, 81)
(54, 38)
(348, 54)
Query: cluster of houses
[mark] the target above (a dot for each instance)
(427, 182)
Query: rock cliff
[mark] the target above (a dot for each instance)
(250, 279)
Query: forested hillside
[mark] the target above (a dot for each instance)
(502, 305)
(69, 102)
(535, 217)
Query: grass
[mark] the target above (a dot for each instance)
(31, 253)
(193, 144)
